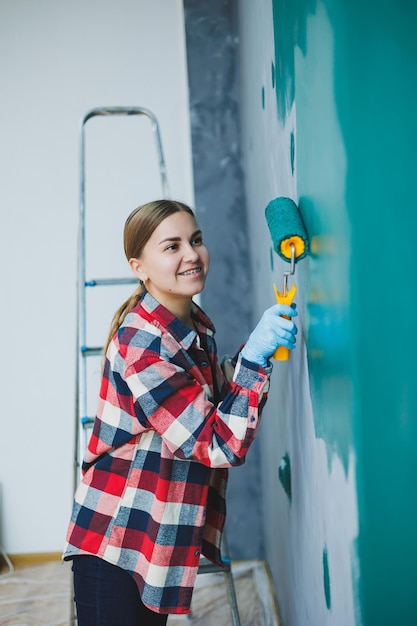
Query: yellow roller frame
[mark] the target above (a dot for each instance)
(297, 242)
(282, 353)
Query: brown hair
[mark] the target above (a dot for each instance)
(138, 229)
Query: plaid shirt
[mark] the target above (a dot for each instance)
(168, 426)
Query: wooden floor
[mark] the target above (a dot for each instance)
(40, 596)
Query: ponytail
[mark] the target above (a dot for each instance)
(121, 313)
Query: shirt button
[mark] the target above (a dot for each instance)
(204, 364)
(260, 379)
(197, 552)
(252, 419)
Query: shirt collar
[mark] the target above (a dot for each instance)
(180, 331)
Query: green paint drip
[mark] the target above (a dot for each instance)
(292, 152)
(284, 474)
(326, 578)
(290, 30)
(263, 97)
(273, 75)
(271, 257)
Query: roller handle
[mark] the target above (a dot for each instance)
(282, 353)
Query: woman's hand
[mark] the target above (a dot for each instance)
(272, 331)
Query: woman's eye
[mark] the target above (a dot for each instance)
(197, 241)
(173, 246)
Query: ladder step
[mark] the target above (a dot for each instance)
(100, 282)
(90, 351)
(87, 421)
(207, 567)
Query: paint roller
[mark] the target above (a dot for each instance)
(290, 241)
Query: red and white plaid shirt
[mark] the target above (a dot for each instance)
(152, 496)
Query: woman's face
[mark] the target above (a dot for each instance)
(174, 262)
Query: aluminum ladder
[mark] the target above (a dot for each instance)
(207, 567)
(83, 421)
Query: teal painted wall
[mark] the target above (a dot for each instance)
(354, 87)
(307, 461)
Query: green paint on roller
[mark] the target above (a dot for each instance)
(284, 475)
(273, 75)
(263, 97)
(326, 578)
(284, 221)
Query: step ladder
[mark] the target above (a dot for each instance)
(84, 421)
(207, 567)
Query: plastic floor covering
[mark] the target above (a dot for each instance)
(40, 596)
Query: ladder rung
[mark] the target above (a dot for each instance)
(99, 282)
(207, 567)
(87, 421)
(90, 351)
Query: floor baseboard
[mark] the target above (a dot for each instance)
(34, 558)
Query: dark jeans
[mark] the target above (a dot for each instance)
(106, 595)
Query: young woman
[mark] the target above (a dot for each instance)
(170, 421)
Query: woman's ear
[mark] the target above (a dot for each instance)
(136, 267)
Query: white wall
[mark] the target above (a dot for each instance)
(60, 59)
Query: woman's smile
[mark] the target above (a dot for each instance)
(193, 272)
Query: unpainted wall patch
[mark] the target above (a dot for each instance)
(284, 475)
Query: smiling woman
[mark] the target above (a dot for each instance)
(169, 424)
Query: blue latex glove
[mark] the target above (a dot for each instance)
(272, 331)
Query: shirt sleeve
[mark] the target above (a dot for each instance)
(174, 404)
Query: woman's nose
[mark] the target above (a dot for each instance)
(190, 254)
